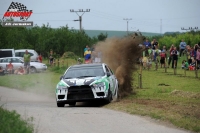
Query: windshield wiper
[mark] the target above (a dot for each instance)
(84, 76)
(68, 77)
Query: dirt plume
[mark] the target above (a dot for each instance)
(121, 55)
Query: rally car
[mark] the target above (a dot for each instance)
(86, 82)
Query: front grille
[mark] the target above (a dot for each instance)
(80, 92)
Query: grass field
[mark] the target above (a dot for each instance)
(164, 96)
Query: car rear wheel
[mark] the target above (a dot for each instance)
(72, 104)
(60, 104)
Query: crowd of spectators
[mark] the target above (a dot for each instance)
(21, 70)
(166, 57)
(10, 70)
(161, 56)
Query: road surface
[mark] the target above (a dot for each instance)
(48, 118)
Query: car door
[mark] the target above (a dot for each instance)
(17, 63)
(110, 79)
(4, 62)
(113, 77)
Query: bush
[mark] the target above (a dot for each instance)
(11, 122)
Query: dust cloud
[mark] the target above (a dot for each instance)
(121, 55)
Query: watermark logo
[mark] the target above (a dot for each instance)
(19, 10)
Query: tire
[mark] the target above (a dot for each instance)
(72, 104)
(109, 98)
(33, 70)
(115, 97)
(60, 105)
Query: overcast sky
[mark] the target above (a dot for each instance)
(146, 15)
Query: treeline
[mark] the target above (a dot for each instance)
(191, 38)
(44, 39)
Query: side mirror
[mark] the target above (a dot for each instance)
(108, 74)
(61, 77)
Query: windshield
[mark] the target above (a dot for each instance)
(84, 72)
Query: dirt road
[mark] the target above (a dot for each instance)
(81, 119)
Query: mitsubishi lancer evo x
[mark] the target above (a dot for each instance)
(86, 82)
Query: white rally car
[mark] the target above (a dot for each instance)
(86, 82)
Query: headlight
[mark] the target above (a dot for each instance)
(99, 84)
(62, 88)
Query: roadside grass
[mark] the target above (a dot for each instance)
(42, 83)
(164, 96)
(11, 122)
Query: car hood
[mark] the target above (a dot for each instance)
(81, 81)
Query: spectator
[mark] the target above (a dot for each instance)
(20, 71)
(27, 59)
(192, 65)
(192, 54)
(87, 56)
(188, 51)
(174, 54)
(170, 55)
(164, 49)
(9, 68)
(198, 58)
(182, 47)
(40, 58)
(185, 65)
(156, 54)
(79, 61)
(162, 59)
(145, 58)
(51, 59)
(86, 48)
(1, 71)
(150, 52)
(154, 44)
(147, 43)
(196, 47)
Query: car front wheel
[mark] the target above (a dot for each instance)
(109, 97)
(115, 97)
(60, 104)
(72, 104)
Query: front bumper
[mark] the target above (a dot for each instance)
(41, 69)
(80, 94)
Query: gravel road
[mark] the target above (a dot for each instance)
(80, 119)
